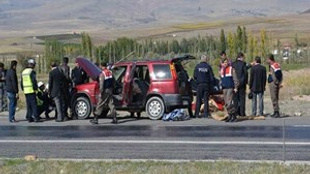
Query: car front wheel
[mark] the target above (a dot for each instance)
(155, 108)
(82, 108)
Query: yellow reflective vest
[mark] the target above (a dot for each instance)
(39, 101)
(27, 82)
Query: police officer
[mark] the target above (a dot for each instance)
(106, 98)
(29, 86)
(275, 83)
(203, 74)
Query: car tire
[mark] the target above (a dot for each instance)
(155, 108)
(82, 108)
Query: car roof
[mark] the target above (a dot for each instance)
(158, 60)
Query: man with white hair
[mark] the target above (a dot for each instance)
(203, 74)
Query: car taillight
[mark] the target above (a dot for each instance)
(173, 72)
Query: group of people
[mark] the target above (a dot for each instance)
(39, 98)
(234, 81)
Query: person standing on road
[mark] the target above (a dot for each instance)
(258, 75)
(230, 86)
(242, 74)
(65, 69)
(57, 90)
(12, 90)
(3, 100)
(78, 75)
(29, 86)
(203, 74)
(106, 84)
(275, 78)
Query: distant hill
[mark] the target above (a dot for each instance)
(306, 12)
(49, 16)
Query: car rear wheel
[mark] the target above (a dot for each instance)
(82, 108)
(155, 108)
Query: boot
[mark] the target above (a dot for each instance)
(114, 121)
(233, 118)
(228, 118)
(94, 121)
(276, 114)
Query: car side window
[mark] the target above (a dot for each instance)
(162, 71)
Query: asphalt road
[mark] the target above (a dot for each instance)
(283, 139)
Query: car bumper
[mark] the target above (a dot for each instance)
(177, 100)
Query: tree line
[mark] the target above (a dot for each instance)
(132, 49)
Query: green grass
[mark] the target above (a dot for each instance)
(149, 167)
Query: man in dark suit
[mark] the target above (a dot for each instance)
(65, 69)
(57, 90)
(242, 74)
(258, 78)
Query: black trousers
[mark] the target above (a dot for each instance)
(202, 94)
(240, 101)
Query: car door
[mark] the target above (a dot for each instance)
(127, 91)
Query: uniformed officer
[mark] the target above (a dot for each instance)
(106, 83)
(203, 74)
(29, 86)
(275, 83)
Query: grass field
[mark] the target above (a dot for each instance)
(148, 167)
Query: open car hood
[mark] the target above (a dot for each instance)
(182, 58)
(92, 70)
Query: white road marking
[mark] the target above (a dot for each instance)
(300, 126)
(159, 142)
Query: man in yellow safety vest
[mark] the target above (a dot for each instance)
(29, 86)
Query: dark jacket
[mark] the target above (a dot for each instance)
(78, 76)
(56, 82)
(240, 68)
(203, 74)
(11, 81)
(258, 78)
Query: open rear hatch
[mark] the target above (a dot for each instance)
(92, 70)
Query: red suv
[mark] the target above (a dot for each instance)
(162, 88)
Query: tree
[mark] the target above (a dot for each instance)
(231, 43)
(244, 40)
(238, 40)
(263, 44)
(223, 40)
(87, 45)
(53, 51)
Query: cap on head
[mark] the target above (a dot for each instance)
(40, 84)
(31, 61)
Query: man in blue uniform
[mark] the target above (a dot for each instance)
(203, 74)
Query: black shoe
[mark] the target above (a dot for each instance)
(38, 121)
(275, 114)
(233, 118)
(30, 120)
(47, 116)
(66, 119)
(228, 118)
(13, 121)
(58, 120)
(93, 121)
(114, 121)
